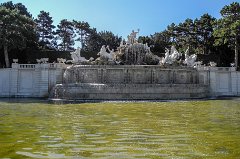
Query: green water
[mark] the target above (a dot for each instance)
(168, 130)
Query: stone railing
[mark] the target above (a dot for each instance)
(209, 68)
(42, 65)
(27, 66)
(23, 66)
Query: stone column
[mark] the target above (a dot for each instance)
(14, 80)
(44, 80)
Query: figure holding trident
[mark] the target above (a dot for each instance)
(132, 38)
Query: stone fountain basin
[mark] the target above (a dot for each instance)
(94, 91)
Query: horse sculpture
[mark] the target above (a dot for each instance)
(190, 59)
(171, 57)
(105, 55)
(76, 57)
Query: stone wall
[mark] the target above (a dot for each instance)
(29, 80)
(134, 74)
(224, 81)
(37, 80)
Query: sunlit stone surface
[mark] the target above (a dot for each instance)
(133, 72)
(129, 82)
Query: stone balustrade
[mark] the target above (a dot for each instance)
(37, 80)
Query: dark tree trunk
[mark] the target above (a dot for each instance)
(5, 48)
(236, 53)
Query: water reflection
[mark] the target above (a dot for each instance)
(196, 129)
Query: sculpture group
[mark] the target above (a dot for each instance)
(133, 53)
(150, 78)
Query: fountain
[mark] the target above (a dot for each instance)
(132, 72)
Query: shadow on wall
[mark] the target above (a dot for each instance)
(24, 100)
(29, 56)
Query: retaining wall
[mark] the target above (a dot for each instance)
(37, 80)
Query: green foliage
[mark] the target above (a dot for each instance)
(83, 30)
(15, 30)
(95, 40)
(228, 28)
(19, 6)
(108, 38)
(186, 35)
(161, 41)
(203, 36)
(172, 32)
(45, 28)
(204, 29)
(65, 33)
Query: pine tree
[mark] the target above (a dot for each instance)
(15, 30)
(65, 33)
(82, 30)
(228, 28)
(45, 29)
(19, 6)
(205, 27)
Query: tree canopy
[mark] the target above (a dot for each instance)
(65, 33)
(228, 28)
(203, 35)
(44, 27)
(15, 30)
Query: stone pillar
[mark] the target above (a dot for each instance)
(203, 75)
(100, 75)
(234, 81)
(44, 80)
(213, 82)
(238, 83)
(14, 80)
(153, 78)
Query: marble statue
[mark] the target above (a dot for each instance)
(198, 63)
(105, 55)
(174, 54)
(132, 38)
(38, 61)
(166, 59)
(44, 60)
(134, 53)
(15, 60)
(76, 56)
(212, 64)
(189, 59)
(171, 56)
(61, 60)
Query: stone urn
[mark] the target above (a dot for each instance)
(15, 60)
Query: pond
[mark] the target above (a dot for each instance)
(175, 129)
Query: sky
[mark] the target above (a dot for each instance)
(123, 16)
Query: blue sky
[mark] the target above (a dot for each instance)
(122, 16)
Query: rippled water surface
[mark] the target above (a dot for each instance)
(168, 130)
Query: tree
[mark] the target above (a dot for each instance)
(83, 30)
(186, 35)
(65, 33)
(15, 29)
(228, 28)
(108, 38)
(19, 6)
(172, 32)
(96, 39)
(204, 29)
(161, 41)
(32, 36)
(146, 40)
(45, 29)
(93, 41)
